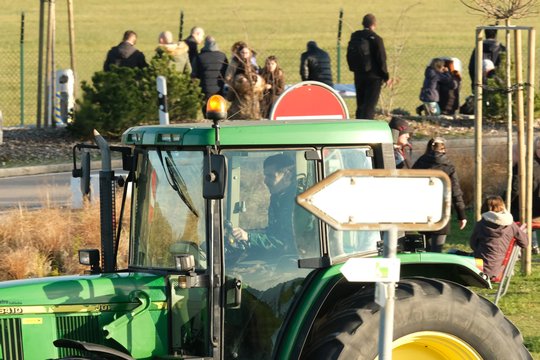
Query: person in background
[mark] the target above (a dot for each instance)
(402, 147)
(449, 93)
(274, 86)
(366, 57)
(125, 53)
(210, 67)
(245, 87)
(515, 194)
(315, 65)
(435, 158)
(491, 235)
(195, 38)
(436, 75)
(491, 50)
(178, 52)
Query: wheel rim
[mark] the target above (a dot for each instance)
(432, 345)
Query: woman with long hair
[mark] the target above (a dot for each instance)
(274, 79)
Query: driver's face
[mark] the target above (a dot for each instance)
(276, 179)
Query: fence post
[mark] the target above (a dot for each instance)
(40, 63)
(71, 21)
(340, 26)
(21, 67)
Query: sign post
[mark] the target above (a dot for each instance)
(364, 200)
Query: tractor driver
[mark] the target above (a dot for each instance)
(278, 236)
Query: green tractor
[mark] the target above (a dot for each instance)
(224, 264)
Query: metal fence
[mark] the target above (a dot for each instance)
(18, 99)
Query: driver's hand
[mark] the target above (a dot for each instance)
(240, 234)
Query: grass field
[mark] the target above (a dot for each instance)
(426, 29)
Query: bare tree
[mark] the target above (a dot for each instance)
(503, 9)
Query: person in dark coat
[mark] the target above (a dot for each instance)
(491, 50)
(278, 236)
(491, 235)
(402, 147)
(435, 76)
(369, 78)
(193, 41)
(435, 158)
(274, 79)
(315, 65)
(125, 53)
(210, 67)
(515, 193)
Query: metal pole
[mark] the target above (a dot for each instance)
(53, 65)
(71, 21)
(161, 82)
(47, 99)
(509, 131)
(478, 125)
(386, 329)
(40, 63)
(340, 26)
(527, 266)
(21, 66)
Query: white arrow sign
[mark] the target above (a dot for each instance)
(377, 199)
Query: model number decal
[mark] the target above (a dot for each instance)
(11, 310)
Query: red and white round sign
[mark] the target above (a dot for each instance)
(309, 100)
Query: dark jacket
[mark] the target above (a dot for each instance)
(192, 45)
(124, 54)
(490, 239)
(491, 49)
(315, 65)
(378, 54)
(432, 83)
(278, 237)
(210, 67)
(439, 161)
(514, 208)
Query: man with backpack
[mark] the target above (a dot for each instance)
(491, 50)
(366, 57)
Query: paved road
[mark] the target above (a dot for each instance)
(36, 190)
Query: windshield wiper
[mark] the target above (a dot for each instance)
(178, 184)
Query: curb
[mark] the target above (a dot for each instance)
(49, 169)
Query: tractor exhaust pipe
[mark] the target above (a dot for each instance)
(107, 206)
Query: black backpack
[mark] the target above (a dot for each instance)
(359, 55)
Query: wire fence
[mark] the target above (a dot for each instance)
(18, 95)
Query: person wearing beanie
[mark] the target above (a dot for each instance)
(210, 67)
(435, 158)
(491, 235)
(402, 147)
(315, 65)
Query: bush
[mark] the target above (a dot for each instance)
(125, 97)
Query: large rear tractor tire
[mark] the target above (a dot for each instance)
(433, 320)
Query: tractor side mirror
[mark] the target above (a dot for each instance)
(215, 175)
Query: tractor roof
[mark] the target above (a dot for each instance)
(250, 133)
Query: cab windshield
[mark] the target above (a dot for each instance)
(168, 209)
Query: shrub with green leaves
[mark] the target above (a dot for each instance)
(125, 97)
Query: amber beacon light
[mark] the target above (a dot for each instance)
(216, 108)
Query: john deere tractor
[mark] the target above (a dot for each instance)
(215, 271)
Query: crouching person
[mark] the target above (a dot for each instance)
(491, 235)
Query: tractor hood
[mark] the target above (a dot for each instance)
(83, 290)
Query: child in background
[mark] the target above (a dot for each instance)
(492, 235)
